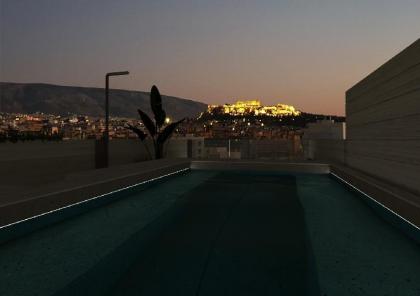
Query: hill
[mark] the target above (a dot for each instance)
(64, 100)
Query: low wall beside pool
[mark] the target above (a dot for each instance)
(84, 185)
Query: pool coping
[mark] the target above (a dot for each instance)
(397, 199)
(262, 165)
(392, 204)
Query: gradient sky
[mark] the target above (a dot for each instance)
(304, 53)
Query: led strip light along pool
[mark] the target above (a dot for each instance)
(375, 201)
(93, 198)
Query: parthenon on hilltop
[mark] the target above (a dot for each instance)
(253, 107)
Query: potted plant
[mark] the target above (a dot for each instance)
(155, 128)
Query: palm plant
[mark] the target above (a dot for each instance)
(155, 129)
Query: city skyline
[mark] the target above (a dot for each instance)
(302, 54)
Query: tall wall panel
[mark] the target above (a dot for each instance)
(383, 121)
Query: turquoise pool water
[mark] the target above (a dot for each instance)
(218, 233)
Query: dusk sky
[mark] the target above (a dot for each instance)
(303, 53)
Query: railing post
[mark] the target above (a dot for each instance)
(229, 148)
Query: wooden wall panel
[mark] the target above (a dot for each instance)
(383, 121)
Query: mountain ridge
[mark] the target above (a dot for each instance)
(64, 100)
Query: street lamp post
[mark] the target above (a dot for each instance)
(104, 159)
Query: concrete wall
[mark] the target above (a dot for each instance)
(36, 161)
(45, 160)
(28, 168)
(29, 163)
(383, 121)
(16, 205)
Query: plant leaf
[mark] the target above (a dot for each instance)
(162, 118)
(142, 135)
(148, 123)
(167, 132)
(156, 105)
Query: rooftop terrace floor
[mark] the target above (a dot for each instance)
(212, 233)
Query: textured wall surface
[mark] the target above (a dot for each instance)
(326, 150)
(37, 162)
(383, 121)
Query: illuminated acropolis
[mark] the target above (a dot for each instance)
(253, 107)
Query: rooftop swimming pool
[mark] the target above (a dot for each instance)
(214, 233)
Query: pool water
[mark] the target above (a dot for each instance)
(218, 233)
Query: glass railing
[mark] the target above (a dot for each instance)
(269, 149)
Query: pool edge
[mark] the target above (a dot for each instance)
(388, 212)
